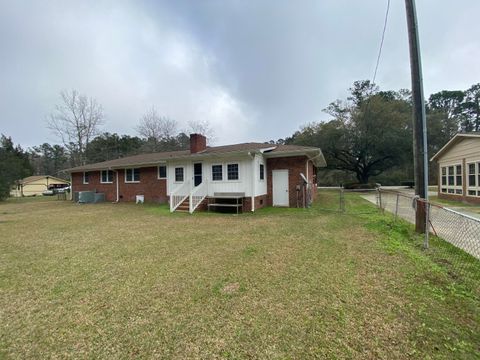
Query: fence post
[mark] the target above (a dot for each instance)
(427, 225)
(342, 200)
(380, 200)
(396, 207)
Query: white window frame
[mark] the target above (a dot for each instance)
(475, 188)
(175, 174)
(133, 176)
(101, 177)
(83, 178)
(260, 172)
(454, 189)
(223, 172)
(226, 170)
(158, 172)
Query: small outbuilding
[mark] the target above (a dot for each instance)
(36, 185)
(459, 168)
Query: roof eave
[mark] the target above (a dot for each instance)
(450, 143)
(315, 155)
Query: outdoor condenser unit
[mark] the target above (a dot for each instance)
(86, 197)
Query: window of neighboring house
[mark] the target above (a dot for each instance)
(132, 175)
(452, 179)
(179, 174)
(232, 172)
(451, 176)
(217, 172)
(106, 176)
(86, 177)
(473, 184)
(262, 172)
(162, 172)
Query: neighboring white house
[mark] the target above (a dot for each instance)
(459, 168)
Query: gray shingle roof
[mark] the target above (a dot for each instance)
(155, 158)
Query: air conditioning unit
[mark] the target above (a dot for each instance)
(86, 197)
(99, 197)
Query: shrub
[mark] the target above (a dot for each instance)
(358, 186)
(409, 183)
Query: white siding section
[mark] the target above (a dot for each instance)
(244, 184)
(187, 175)
(468, 148)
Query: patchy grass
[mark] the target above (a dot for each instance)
(30, 199)
(127, 281)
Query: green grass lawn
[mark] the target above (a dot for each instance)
(133, 281)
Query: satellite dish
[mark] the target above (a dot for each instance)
(304, 178)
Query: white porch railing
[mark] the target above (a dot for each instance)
(197, 195)
(178, 195)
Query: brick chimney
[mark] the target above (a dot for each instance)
(198, 143)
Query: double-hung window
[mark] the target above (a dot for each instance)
(217, 172)
(86, 177)
(179, 174)
(132, 175)
(106, 176)
(162, 172)
(262, 172)
(232, 172)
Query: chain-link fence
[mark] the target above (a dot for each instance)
(453, 240)
(338, 199)
(458, 229)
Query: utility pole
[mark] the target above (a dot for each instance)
(420, 153)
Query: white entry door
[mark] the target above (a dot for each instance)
(280, 187)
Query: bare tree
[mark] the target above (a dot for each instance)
(156, 129)
(202, 127)
(153, 126)
(76, 121)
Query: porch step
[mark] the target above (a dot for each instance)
(184, 206)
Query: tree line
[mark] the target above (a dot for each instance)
(77, 122)
(369, 135)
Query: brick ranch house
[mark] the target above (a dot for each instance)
(249, 176)
(459, 168)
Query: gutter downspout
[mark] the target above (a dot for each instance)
(116, 181)
(252, 199)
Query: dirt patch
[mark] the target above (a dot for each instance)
(231, 288)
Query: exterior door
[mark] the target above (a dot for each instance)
(280, 188)
(197, 174)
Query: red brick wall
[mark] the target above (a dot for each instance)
(295, 165)
(260, 202)
(461, 198)
(94, 185)
(154, 190)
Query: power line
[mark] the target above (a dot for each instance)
(381, 42)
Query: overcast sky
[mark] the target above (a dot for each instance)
(257, 70)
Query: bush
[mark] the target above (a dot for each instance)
(358, 186)
(409, 183)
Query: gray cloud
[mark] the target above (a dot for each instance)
(256, 70)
